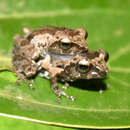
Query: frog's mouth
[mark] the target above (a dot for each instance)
(61, 56)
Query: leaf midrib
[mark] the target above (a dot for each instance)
(61, 124)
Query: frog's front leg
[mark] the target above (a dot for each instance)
(54, 72)
(57, 91)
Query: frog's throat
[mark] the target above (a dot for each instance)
(61, 56)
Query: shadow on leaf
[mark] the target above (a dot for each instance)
(92, 85)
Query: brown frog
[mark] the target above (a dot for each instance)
(57, 54)
(34, 47)
(90, 65)
(58, 40)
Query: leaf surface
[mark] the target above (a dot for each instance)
(108, 28)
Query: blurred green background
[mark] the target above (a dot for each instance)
(107, 24)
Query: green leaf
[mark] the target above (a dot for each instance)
(14, 124)
(107, 23)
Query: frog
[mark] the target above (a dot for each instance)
(59, 40)
(35, 46)
(55, 53)
(90, 65)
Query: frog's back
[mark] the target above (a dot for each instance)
(50, 30)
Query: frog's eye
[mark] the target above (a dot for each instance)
(83, 67)
(64, 46)
(106, 56)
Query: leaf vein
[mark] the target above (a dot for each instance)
(120, 69)
(5, 95)
(66, 11)
(120, 52)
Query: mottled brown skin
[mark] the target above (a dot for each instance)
(96, 69)
(53, 35)
(32, 49)
(57, 51)
(97, 65)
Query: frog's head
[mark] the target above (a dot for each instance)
(58, 40)
(91, 66)
(68, 41)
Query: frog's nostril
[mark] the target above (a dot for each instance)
(103, 74)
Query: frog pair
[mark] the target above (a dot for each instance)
(57, 53)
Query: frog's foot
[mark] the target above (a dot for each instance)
(26, 81)
(101, 91)
(57, 91)
(29, 83)
(62, 93)
(31, 86)
(66, 85)
(18, 82)
(108, 85)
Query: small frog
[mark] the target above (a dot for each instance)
(57, 53)
(35, 46)
(91, 65)
(58, 40)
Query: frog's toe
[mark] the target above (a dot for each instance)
(72, 98)
(18, 82)
(101, 91)
(66, 85)
(31, 87)
(58, 99)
